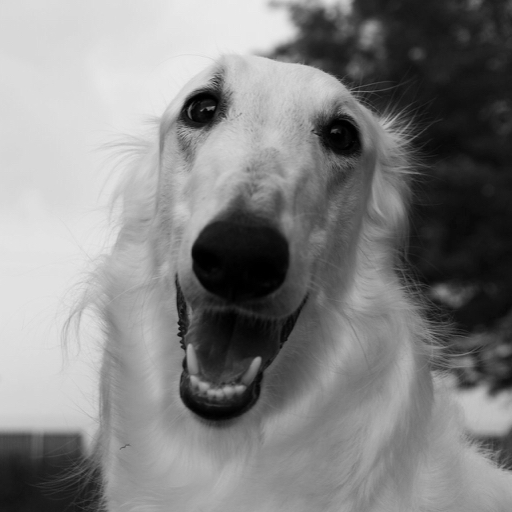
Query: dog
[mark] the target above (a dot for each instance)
(263, 351)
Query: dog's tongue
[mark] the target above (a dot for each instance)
(226, 343)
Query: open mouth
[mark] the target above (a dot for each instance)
(226, 355)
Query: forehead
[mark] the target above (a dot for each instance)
(276, 85)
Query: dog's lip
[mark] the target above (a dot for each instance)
(211, 407)
(235, 349)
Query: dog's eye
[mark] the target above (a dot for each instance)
(342, 137)
(200, 109)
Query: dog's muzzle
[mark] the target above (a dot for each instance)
(227, 351)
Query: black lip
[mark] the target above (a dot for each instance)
(221, 411)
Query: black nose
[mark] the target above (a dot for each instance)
(240, 261)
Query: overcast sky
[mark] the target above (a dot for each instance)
(74, 74)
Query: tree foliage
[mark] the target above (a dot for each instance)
(448, 65)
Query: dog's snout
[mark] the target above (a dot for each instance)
(238, 261)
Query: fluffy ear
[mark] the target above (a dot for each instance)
(135, 197)
(389, 197)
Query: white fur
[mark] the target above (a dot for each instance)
(349, 419)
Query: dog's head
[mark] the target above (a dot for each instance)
(266, 176)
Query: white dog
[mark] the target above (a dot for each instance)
(262, 354)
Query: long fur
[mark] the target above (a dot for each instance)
(349, 417)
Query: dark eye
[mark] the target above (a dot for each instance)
(342, 137)
(201, 109)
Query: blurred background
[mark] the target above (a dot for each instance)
(76, 75)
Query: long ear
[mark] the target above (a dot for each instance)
(389, 197)
(135, 159)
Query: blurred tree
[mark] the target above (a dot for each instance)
(448, 65)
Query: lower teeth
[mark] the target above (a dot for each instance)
(216, 393)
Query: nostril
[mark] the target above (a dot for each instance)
(266, 275)
(207, 261)
(239, 261)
